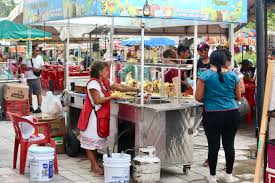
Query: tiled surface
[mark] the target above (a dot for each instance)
(77, 169)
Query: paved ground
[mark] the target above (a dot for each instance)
(76, 169)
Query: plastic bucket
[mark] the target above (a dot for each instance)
(117, 168)
(271, 153)
(41, 163)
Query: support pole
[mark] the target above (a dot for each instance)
(112, 66)
(142, 65)
(90, 47)
(66, 68)
(195, 58)
(261, 62)
(231, 42)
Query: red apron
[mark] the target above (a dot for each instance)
(102, 115)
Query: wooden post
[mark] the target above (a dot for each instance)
(262, 134)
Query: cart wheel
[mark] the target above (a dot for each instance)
(71, 144)
(186, 170)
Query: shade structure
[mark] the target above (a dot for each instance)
(150, 42)
(11, 31)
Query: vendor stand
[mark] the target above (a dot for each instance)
(13, 32)
(166, 123)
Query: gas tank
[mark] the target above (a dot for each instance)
(146, 166)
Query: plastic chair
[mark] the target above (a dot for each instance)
(35, 138)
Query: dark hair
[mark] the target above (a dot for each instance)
(218, 59)
(96, 67)
(183, 48)
(34, 47)
(247, 62)
(227, 54)
(203, 46)
(169, 54)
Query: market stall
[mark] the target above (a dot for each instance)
(166, 121)
(13, 32)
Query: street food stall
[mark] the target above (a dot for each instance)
(13, 32)
(167, 119)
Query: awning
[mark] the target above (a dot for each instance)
(11, 31)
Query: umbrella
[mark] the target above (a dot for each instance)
(11, 31)
(149, 42)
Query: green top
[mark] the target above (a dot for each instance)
(130, 68)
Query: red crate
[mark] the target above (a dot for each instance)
(270, 175)
(21, 108)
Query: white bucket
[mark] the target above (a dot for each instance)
(41, 163)
(117, 168)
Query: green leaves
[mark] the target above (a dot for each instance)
(6, 6)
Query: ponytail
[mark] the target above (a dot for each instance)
(218, 59)
(219, 69)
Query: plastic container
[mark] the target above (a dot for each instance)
(117, 168)
(271, 153)
(41, 163)
(146, 166)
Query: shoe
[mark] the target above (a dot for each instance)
(212, 179)
(228, 178)
(31, 109)
(38, 110)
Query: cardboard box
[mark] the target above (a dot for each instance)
(59, 142)
(57, 126)
(16, 92)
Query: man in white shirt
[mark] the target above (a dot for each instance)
(30, 66)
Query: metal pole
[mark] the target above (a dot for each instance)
(90, 45)
(142, 65)
(112, 39)
(78, 56)
(231, 42)
(195, 58)
(67, 57)
(261, 62)
(112, 67)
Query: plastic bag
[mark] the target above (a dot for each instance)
(51, 106)
(26, 129)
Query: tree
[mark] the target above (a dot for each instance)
(270, 21)
(6, 6)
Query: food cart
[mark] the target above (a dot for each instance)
(166, 123)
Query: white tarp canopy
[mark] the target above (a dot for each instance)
(123, 22)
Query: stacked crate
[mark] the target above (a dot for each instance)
(16, 99)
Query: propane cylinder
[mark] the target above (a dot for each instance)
(146, 166)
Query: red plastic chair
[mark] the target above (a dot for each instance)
(36, 138)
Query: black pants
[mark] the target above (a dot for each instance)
(217, 125)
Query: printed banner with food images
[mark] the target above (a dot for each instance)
(204, 10)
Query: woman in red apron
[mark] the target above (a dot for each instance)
(94, 119)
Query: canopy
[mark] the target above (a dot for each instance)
(230, 11)
(11, 31)
(150, 42)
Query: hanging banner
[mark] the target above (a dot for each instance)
(201, 10)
